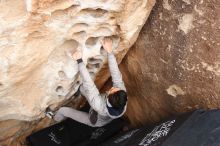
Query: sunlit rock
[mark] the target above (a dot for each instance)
(37, 38)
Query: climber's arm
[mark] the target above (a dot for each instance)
(88, 86)
(88, 83)
(115, 72)
(90, 90)
(113, 65)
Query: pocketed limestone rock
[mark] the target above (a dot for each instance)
(37, 38)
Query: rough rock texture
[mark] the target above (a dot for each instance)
(36, 68)
(14, 132)
(174, 65)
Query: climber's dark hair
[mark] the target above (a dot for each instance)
(118, 99)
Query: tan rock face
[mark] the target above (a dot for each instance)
(37, 38)
(174, 65)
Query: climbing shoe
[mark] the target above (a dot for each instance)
(50, 114)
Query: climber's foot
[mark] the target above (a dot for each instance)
(50, 114)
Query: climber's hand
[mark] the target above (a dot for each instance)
(77, 55)
(107, 44)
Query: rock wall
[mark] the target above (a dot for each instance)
(37, 38)
(174, 65)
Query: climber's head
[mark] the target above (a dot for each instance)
(117, 98)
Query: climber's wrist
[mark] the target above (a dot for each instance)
(110, 52)
(79, 60)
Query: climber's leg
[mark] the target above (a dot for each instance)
(74, 114)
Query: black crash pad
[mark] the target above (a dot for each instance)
(198, 128)
(72, 133)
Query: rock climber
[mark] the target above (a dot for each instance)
(104, 107)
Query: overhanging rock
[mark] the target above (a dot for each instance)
(37, 37)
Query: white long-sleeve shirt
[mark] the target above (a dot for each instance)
(96, 100)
